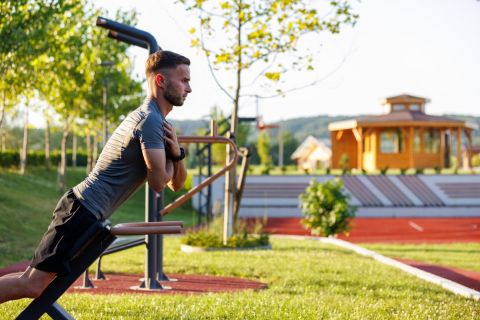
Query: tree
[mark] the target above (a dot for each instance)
(263, 150)
(23, 37)
(257, 36)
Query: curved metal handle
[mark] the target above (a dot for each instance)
(129, 31)
(141, 228)
(198, 139)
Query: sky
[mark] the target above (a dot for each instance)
(427, 48)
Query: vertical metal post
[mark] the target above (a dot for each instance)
(200, 198)
(160, 276)
(209, 188)
(150, 280)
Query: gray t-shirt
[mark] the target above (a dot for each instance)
(121, 169)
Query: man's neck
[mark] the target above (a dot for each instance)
(164, 106)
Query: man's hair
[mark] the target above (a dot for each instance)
(164, 60)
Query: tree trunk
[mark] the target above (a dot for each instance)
(74, 150)
(23, 152)
(231, 175)
(4, 138)
(63, 159)
(48, 162)
(89, 151)
(2, 111)
(95, 150)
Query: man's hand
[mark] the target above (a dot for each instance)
(171, 139)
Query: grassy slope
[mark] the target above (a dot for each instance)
(27, 202)
(307, 280)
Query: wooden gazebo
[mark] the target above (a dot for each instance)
(405, 137)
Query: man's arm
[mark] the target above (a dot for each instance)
(159, 171)
(179, 175)
(179, 172)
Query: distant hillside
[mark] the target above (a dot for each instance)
(299, 127)
(190, 127)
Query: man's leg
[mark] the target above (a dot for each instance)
(29, 284)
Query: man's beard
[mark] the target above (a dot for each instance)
(171, 96)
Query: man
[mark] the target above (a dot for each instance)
(143, 147)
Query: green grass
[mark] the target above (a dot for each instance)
(306, 279)
(457, 255)
(27, 203)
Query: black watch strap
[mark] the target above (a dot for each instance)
(180, 157)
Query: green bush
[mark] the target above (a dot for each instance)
(476, 160)
(326, 208)
(344, 163)
(211, 236)
(11, 158)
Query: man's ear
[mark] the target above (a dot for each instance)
(159, 80)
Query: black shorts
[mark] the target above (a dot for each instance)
(70, 220)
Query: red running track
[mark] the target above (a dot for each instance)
(397, 230)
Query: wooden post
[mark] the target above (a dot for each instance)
(469, 148)
(357, 133)
(411, 147)
(459, 147)
(442, 148)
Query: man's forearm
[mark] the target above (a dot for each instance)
(179, 175)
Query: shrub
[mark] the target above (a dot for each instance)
(344, 163)
(211, 236)
(476, 160)
(419, 171)
(384, 170)
(326, 208)
(403, 171)
(11, 158)
(265, 169)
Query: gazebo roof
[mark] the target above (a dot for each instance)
(405, 98)
(399, 118)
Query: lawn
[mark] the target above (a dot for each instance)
(457, 255)
(307, 280)
(27, 203)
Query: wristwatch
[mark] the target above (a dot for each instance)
(180, 157)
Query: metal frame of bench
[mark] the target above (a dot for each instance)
(85, 251)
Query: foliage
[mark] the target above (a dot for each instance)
(211, 236)
(11, 158)
(384, 170)
(476, 160)
(419, 171)
(24, 36)
(258, 32)
(263, 149)
(344, 163)
(326, 208)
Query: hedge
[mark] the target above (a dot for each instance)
(11, 158)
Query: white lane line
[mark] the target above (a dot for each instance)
(427, 276)
(415, 226)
